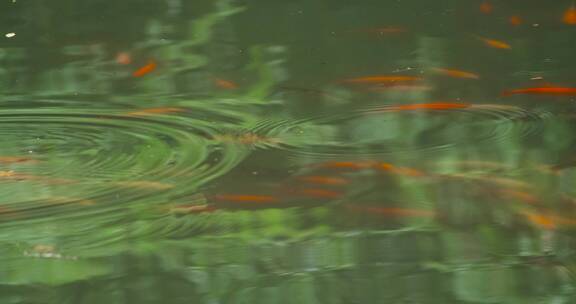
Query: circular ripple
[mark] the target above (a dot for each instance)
(74, 158)
(378, 131)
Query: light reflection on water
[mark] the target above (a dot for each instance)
(239, 152)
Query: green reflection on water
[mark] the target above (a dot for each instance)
(242, 169)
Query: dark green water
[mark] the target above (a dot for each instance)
(236, 151)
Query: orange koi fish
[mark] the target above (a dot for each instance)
(559, 91)
(10, 175)
(456, 73)
(123, 58)
(346, 165)
(515, 20)
(491, 179)
(320, 193)
(521, 196)
(430, 106)
(225, 84)
(486, 7)
(394, 211)
(543, 221)
(570, 15)
(242, 198)
(325, 180)
(497, 44)
(381, 79)
(151, 66)
(17, 160)
(399, 170)
(153, 111)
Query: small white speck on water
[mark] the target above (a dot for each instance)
(10, 35)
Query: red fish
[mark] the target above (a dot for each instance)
(325, 180)
(570, 15)
(123, 58)
(320, 193)
(456, 73)
(543, 221)
(559, 91)
(151, 66)
(515, 20)
(225, 84)
(497, 44)
(347, 165)
(394, 211)
(486, 7)
(17, 160)
(521, 196)
(399, 170)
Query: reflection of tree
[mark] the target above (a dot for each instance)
(68, 48)
(73, 47)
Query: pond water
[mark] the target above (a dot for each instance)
(308, 151)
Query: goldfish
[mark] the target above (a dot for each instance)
(15, 176)
(543, 221)
(17, 160)
(491, 179)
(547, 220)
(321, 193)
(430, 106)
(515, 20)
(324, 180)
(456, 73)
(151, 66)
(486, 7)
(153, 111)
(8, 173)
(393, 211)
(559, 91)
(247, 198)
(225, 84)
(399, 170)
(522, 196)
(569, 162)
(570, 15)
(381, 79)
(497, 44)
(123, 58)
(346, 165)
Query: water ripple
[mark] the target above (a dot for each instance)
(74, 158)
(381, 131)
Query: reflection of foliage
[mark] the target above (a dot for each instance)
(318, 254)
